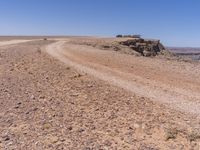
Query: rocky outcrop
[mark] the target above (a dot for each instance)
(144, 47)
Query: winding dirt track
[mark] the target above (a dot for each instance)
(172, 83)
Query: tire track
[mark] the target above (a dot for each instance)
(186, 102)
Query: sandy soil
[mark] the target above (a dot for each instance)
(12, 42)
(96, 99)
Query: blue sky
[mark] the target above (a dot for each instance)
(175, 22)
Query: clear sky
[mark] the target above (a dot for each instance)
(175, 22)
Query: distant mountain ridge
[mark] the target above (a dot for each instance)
(185, 50)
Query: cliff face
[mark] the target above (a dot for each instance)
(144, 47)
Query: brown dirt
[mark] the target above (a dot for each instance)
(142, 76)
(48, 104)
(13, 42)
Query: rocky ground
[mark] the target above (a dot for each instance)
(46, 104)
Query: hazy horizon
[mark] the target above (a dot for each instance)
(175, 23)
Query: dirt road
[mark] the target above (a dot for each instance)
(172, 83)
(12, 42)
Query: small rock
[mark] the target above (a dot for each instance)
(136, 125)
(16, 107)
(6, 138)
(39, 51)
(5, 90)
(62, 140)
(53, 139)
(89, 85)
(35, 109)
(19, 103)
(32, 97)
(130, 128)
(41, 96)
(107, 143)
(27, 112)
(70, 128)
(81, 130)
(46, 126)
(75, 94)
(78, 76)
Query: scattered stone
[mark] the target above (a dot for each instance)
(62, 140)
(74, 94)
(105, 46)
(89, 85)
(12, 69)
(195, 135)
(70, 128)
(16, 107)
(130, 128)
(19, 103)
(136, 125)
(6, 138)
(32, 97)
(57, 124)
(5, 90)
(108, 143)
(171, 134)
(53, 139)
(41, 97)
(35, 109)
(81, 130)
(46, 126)
(39, 51)
(78, 75)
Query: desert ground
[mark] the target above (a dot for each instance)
(90, 93)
